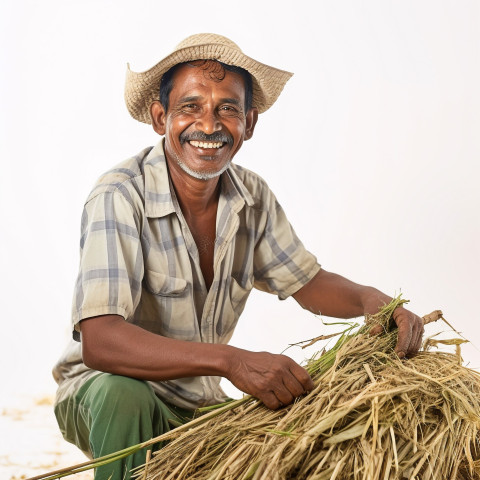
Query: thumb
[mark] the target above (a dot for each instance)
(376, 330)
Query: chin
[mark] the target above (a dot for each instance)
(202, 175)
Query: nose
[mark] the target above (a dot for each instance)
(209, 122)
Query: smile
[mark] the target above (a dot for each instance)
(195, 143)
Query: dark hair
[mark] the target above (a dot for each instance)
(216, 71)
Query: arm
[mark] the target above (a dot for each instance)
(111, 344)
(335, 296)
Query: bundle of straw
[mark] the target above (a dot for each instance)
(371, 416)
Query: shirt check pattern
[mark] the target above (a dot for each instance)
(138, 259)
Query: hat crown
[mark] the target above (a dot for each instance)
(205, 38)
(141, 88)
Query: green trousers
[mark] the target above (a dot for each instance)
(110, 413)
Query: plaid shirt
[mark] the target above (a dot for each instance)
(139, 260)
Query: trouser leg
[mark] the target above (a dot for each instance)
(110, 413)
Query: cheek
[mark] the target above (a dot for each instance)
(237, 130)
(175, 128)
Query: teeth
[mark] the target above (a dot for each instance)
(194, 143)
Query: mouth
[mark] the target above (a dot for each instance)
(198, 144)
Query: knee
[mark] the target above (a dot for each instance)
(123, 395)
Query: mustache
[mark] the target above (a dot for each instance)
(203, 137)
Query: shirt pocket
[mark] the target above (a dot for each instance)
(164, 285)
(167, 307)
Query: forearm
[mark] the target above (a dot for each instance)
(332, 295)
(111, 344)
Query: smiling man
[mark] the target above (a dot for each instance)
(173, 241)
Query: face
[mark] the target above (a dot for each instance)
(206, 122)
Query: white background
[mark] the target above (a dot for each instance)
(372, 149)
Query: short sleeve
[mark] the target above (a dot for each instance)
(282, 265)
(111, 261)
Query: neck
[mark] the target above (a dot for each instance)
(195, 196)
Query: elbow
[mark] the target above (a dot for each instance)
(90, 357)
(96, 345)
(94, 351)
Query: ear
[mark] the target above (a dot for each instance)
(251, 121)
(158, 116)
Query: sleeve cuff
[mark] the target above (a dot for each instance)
(85, 313)
(294, 288)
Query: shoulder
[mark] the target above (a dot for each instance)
(125, 178)
(257, 187)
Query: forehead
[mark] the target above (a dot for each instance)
(207, 78)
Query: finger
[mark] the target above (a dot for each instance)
(420, 338)
(376, 330)
(405, 334)
(283, 395)
(302, 376)
(293, 385)
(271, 401)
(418, 343)
(418, 331)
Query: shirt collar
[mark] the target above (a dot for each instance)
(158, 189)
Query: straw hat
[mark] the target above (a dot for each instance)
(142, 88)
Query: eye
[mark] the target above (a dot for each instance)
(189, 107)
(228, 110)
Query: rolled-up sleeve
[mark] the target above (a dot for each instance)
(282, 265)
(111, 260)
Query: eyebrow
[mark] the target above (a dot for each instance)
(233, 101)
(195, 98)
(189, 99)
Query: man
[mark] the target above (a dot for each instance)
(173, 240)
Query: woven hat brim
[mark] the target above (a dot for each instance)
(142, 88)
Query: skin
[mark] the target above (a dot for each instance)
(109, 344)
(200, 105)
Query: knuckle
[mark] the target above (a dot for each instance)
(270, 401)
(269, 404)
(284, 396)
(305, 378)
(284, 360)
(263, 384)
(299, 391)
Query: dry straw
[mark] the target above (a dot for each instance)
(371, 416)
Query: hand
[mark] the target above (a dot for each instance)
(410, 332)
(276, 380)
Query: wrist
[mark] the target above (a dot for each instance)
(373, 300)
(224, 360)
